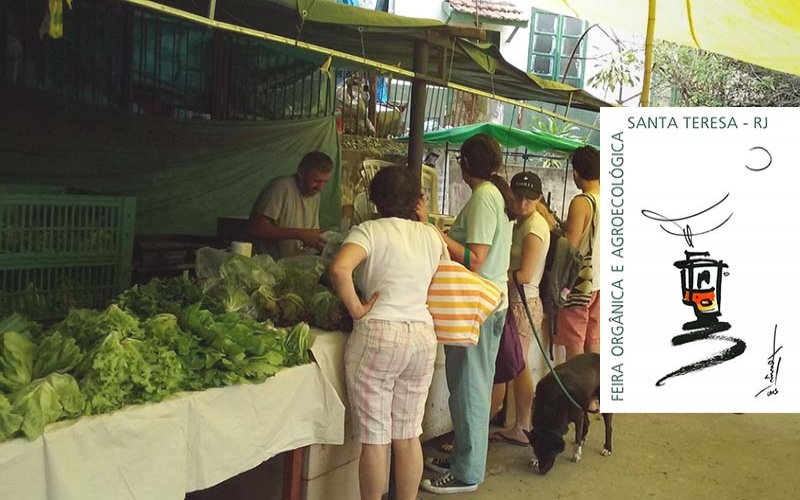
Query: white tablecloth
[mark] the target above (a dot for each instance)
(189, 442)
(328, 352)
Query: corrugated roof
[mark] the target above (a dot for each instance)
(501, 10)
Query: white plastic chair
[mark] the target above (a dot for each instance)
(363, 210)
(368, 170)
(430, 182)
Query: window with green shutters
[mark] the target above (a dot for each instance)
(553, 38)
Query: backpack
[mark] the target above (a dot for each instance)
(560, 273)
(561, 269)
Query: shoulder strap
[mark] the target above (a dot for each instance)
(445, 251)
(594, 214)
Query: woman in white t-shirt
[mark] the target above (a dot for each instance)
(529, 245)
(389, 357)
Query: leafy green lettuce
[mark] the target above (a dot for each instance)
(56, 353)
(327, 310)
(16, 361)
(169, 295)
(89, 328)
(47, 400)
(9, 422)
(292, 309)
(136, 364)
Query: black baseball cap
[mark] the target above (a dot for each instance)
(527, 184)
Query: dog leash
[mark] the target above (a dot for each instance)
(521, 292)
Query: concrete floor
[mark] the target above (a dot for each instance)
(669, 457)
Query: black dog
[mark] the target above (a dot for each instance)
(553, 411)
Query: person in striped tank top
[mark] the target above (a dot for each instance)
(579, 318)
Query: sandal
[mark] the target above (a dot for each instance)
(500, 437)
(447, 447)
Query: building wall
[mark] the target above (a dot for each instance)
(557, 183)
(517, 49)
(514, 51)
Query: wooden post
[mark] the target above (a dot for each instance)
(292, 472)
(416, 142)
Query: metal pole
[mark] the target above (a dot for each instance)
(648, 54)
(445, 185)
(416, 141)
(564, 197)
(525, 160)
(212, 9)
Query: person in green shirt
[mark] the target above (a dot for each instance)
(481, 240)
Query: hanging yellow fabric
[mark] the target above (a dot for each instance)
(761, 32)
(56, 28)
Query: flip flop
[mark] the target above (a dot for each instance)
(497, 436)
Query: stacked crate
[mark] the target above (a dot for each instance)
(60, 251)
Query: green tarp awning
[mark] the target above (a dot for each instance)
(184, 173)
(390, 39)
(508, 137)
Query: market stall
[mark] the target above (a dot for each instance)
(135, 429)
(177, 386)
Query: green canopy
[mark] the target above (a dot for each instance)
(508, 137)
(390, 39)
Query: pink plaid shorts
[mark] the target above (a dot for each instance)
(389, 367)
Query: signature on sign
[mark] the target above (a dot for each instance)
(774, 367)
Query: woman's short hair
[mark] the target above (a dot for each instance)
(395, 191)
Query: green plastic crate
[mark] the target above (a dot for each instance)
(62, 251)
(49, 292)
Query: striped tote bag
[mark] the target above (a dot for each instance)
(460, 301)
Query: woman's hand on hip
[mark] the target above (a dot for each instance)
(361, 309)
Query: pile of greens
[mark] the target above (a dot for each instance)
(289, 291)
(167, 336)
(167, 295)
(99, 361)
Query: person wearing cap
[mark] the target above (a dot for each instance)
(529, 244)
(579, 318)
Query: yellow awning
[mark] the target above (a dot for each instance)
(761, 32)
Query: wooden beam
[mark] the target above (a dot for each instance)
(460, 32)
